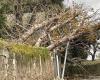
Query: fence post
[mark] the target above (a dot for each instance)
(14, 66)
(58, 71)
(41, 71)
(55, 64)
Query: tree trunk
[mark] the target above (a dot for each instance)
(93, 57)
(94, 50)
(18, 11)
(18, 16)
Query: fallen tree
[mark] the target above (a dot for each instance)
(43, 24)
(39, 41)
(51, 29)
(80, 31)
(36, 27)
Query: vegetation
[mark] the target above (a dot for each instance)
(78, 46)
(49, 27)
(24, 49)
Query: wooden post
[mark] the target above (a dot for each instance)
(41, 69)
(59, 64)
(65, 61)
(58, 72)
(55, 64)
(14, 66)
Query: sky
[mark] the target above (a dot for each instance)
(93, 3)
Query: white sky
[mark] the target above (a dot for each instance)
(93, 3)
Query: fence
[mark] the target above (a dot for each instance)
(20, 67)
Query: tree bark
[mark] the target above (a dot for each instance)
(51, 29)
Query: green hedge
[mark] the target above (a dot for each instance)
(24, 49)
